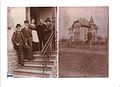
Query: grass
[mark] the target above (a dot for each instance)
(82, 63)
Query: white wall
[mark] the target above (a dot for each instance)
(15, 15)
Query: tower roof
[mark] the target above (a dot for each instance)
(91, 20)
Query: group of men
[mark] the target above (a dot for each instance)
(23, 38)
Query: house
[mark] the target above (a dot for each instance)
(79, 29)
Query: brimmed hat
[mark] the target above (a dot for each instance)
(26, 21)
(48, 19)
(18, 25)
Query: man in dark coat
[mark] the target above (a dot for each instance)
(19, 41)
(27, 32)
(49, 28)
(41, 33)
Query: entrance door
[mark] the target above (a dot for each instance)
(42, 13)
(38, 13)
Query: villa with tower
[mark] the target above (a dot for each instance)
(79, 29)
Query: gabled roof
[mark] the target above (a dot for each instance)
(83, 22)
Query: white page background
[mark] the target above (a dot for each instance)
(114, 47)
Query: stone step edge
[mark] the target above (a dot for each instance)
(35, 68)
(31, 71)
(27, 76)
(37, 65)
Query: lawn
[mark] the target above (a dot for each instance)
(82, 63)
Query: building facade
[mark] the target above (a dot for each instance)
(17, 15)
(79, 29)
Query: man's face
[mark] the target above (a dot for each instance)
(48, 22)
(33, 21)
(53, 19)
(18, 28)
(26, 24)
(41, 21)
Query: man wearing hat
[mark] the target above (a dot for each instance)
(27, 32)
(48, 28)
(41, 33)
(19, 41)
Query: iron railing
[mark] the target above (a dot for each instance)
(46, 52)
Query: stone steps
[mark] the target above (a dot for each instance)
(48, 68)
(23, 73)
(40, 59)
(40, 62)
(31, 76)
(35, 68)
(38, 52)
(32, 70)
(38, 56)
(27, 70)
(36, 65)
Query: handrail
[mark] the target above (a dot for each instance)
(44, 50)
(46, 44)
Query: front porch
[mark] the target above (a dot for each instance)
(34, 68)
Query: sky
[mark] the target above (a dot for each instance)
(68, 15)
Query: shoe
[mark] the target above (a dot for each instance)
(26, 59)
(21, 63)
(30, 60)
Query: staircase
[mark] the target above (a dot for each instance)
(35, 68)
(44, 65)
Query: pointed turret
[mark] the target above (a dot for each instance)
(91, 21)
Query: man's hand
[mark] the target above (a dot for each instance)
(17, 44)
(26, 44)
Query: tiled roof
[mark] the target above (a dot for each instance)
(83, 22)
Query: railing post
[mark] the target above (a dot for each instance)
(47, 51)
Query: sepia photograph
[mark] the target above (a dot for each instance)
(83, 41)
(32, 42)
(64, 43)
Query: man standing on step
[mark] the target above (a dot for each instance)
(41, 33)
(27, 32)
(49, 28)
(19, 41)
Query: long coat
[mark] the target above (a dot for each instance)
(41, 34)
(41, 31)
(27, 33)
(49, 29)
(18, 38)
(28, 36)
